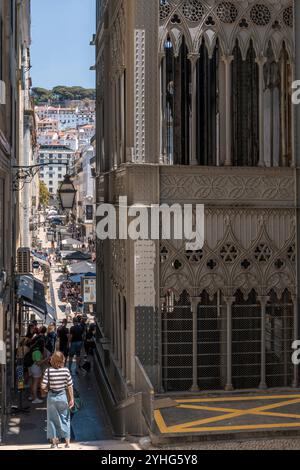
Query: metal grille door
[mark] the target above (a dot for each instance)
(211, 336)
(246, 342)
(177, 345)
(279, 338)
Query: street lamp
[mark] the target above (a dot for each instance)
(67, 193)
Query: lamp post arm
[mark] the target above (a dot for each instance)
(25, 174)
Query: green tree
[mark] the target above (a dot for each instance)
(41, 95)
(44, 194)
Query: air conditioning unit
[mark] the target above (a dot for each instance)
(2, 92)
(23, 261)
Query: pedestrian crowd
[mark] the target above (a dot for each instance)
(46, 353)
(70, 293)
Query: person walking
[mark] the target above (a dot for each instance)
(51, 338)
(75, 344)
(39, 359)
(63, 336)
(68, 310)
(57, 381)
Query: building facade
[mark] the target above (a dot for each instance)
(52, 176)
(15, 135)
(67, 118)
(194, 107)
(84, 183)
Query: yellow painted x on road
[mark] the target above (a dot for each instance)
(230, 413)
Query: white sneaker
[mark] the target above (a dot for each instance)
(37, 401)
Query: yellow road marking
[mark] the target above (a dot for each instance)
(160, 422)
(235, 414)
(279, 415)
(230, 413)
(233, 410)
(224, 399)
(208, 408)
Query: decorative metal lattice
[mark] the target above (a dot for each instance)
(229, 253)
(177, 265)
(165, 9)
(194, 256)
(260, 14)
(288, 16)
(227, 12)
(164, 254)
(291, 253)
(193, 10)
(262, 253)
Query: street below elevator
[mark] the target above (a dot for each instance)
(90, 427)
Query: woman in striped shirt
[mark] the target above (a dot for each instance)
(57, 381)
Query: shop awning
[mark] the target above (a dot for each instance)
(77, 277)
(77, 256)
(32, 293)
(40, 258)
(82, 268)
(71, 242)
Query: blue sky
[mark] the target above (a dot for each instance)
(60, 50)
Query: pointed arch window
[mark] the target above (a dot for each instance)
(277, 105)
(176, 104)
(207, 105)
(245, 108)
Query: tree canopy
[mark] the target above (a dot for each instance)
(61, 93)
(44, 194)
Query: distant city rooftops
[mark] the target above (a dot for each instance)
(55, 148)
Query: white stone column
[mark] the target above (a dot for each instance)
(193, 150)
(229, 301)
(195, 301)
(261, 62)
(227, 59)
(295, 336)
(263, 299)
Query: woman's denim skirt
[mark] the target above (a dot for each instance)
(58, 416)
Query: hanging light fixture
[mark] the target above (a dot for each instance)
(67, 193)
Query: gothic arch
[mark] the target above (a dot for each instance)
(176, 34)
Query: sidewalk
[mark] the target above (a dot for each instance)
(90, 425)
(57, 278)
(113, 445)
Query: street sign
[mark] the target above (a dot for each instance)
(89, 290)
(35, 265)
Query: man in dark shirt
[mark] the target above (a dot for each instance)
(75, 344)
(63, 335)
